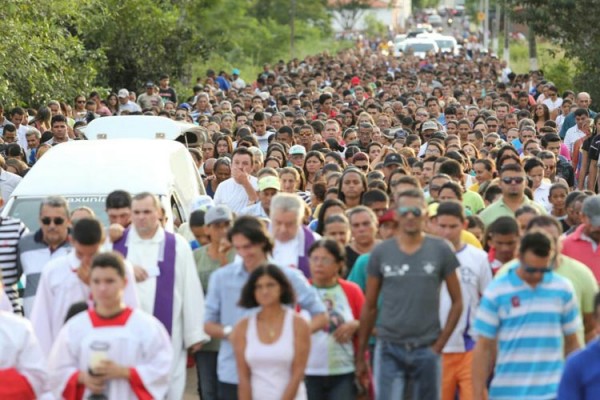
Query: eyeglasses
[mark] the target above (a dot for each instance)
(57, 221)
(422, 115)
(514, 179)
(535, 270)
(321, 260)
(404, 211)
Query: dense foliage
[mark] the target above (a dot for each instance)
(59, 48)
(573, 25)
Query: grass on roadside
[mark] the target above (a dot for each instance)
(551, 60)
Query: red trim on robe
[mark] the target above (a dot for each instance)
(119, 320)
(15, 386)
(138, 386)
(73, 389)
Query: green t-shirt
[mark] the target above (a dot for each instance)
(358, 275)
(499, 209)
(473, 201)
(205, 266)
(581, 277)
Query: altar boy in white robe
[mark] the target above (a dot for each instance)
(22, 364)
(110, 349)
(167, 282)
(65, 281)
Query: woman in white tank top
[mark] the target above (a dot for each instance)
(271, 346)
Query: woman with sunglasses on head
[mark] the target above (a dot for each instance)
(330, 369)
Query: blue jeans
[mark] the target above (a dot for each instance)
(206, 369)
(331, 387)
(228, 391)
(397, 365)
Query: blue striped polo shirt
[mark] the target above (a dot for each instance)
(529, 325)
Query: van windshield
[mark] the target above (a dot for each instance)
(28, 209)
(420, 47)
(444, 44)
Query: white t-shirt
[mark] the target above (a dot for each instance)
(263, 141)
(541, 194)
(573, 134)
(233, 195)
(553, 105)
(474, 275)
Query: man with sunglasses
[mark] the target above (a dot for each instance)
(512, 183)
(408, 271)
(36, 249)
(580, 276)
(523, 317)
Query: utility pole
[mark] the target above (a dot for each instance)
(292, 28)
(507, 34)
(486, 24)
(496, 35)
(533, 60)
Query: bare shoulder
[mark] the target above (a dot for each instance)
(301, 325)
(242, 325)
(239, 332)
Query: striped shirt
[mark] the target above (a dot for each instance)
(529, 325)
(11, 230)
(34, 254)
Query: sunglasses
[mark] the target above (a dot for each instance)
(534, 270)
(404, 211)
(516, 179)
(57, 221)
(489, 144)
(363, 167)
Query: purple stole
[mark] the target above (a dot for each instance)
(165, 282)
(309, 239)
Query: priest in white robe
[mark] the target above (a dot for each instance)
(65, 281)
(167, 283)
(22, 363)
(110, 349)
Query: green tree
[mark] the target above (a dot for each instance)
(374, 27)
(574, 26)
(41, 55)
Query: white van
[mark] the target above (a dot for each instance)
(85, 172)
(145, 127)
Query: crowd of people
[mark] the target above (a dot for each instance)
(372, 228)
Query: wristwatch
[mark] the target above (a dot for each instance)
(227, 331)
